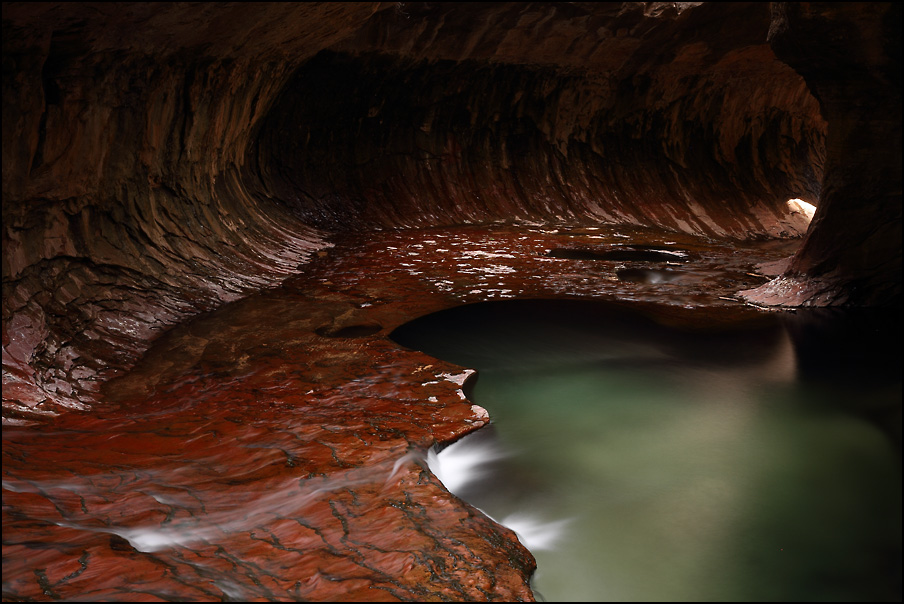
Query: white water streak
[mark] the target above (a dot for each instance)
(465, 461)
(247, 509)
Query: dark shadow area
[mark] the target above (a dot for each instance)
(855, 356)
(489, 334)
(843, 345)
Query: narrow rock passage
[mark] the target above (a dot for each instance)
(162, 162)
(274, 448)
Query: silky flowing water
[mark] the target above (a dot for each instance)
(640, 461)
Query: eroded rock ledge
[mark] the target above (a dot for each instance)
(162, 160)
(273, 449)
(125, 208)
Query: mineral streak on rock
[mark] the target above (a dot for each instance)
(162, 160)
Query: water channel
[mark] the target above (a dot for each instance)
(641, 461)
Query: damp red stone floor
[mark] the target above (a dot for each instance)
(274, 449)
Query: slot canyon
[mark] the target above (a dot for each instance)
(215, 215)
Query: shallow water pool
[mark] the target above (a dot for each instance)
(643, 459)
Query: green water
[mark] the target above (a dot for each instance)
(756, 464)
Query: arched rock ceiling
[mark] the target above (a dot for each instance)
(163, 159)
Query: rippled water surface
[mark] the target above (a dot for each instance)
(642, 461)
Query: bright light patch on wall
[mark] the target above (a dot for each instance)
(800, 206)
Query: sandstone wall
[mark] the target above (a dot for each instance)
(125, 128)
(160, 160)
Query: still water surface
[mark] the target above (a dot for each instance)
(642, 462)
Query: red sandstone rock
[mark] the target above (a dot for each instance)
(162, 161)
(249, 456)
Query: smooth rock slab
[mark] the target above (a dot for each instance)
(247, 457)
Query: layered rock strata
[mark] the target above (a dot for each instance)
(160, 162)
(163, 160)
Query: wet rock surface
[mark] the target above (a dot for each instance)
(632, 254)
(169, 165)
(247, 457)
(151, 176)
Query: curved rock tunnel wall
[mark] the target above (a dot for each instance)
(426, 142)
(125, 129)
(160, 162)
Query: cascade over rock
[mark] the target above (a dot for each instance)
(163, 160)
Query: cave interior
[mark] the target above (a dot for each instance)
(207, 208)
